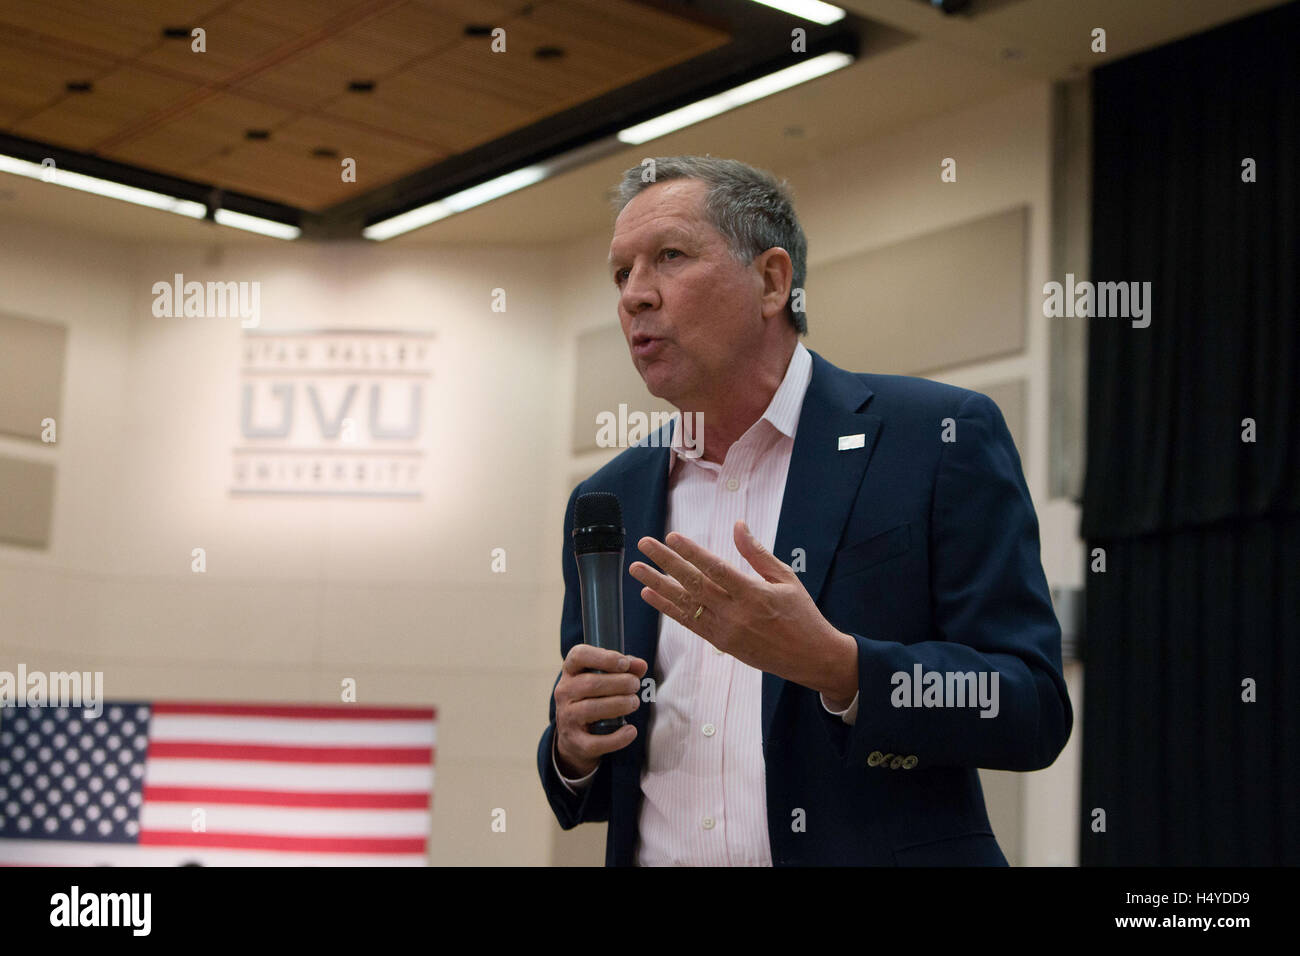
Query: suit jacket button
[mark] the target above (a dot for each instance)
(874, 758)
(896, 762)
(909, 761)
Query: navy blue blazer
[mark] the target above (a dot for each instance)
(924, 550)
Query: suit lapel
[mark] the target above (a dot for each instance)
(645, 512)
(822, 483)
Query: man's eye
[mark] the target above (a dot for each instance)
(621, 274)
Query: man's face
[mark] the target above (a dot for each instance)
(691, 313)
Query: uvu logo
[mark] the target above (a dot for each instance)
(337, 425)
(339, 413)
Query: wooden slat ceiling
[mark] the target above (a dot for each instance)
(284, 66)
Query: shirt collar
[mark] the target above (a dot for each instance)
(782, 411)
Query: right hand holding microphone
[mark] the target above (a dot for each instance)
(582, 697)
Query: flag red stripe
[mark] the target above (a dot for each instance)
(262, 841)
(196, 750)
(287, 798)
(320, 712)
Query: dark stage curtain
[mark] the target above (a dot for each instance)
(1201, 529)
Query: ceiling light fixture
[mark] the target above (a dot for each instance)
(265, 227)
(145, 197)
(730, 99)
(103, 187)
(814, 10)
(521, 178)
(456, 202)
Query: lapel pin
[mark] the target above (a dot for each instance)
(852, 441)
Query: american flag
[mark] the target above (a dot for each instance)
(167, 784)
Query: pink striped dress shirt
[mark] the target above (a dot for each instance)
(704, 800)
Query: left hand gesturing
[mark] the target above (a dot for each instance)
(770, 624)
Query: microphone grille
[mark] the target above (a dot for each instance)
(597, 508)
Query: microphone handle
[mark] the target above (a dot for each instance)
(602, 613)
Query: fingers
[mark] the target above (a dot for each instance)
(580, 752)
(715, 570)
(583, 713)
(688, 587)
(670, 609)
(587, 686)
(583, 657)
(580, 748)
(769, 567)
(684, 574)
(664, 586)
(594, 673)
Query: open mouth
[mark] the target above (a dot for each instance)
(645, 344)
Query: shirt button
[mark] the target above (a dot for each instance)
(708, 823)
(709, 730)
(732, 484)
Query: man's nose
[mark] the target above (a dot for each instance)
(639, 291)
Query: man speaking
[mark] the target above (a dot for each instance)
(839, 605)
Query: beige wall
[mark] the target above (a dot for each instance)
(301, 593)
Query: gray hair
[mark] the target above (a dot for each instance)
(750, 207)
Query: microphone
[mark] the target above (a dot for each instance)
(598, 549)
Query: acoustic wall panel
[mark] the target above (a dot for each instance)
(26, 501)
(32, 356)
(933, 301)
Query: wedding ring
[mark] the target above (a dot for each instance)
(699, 611)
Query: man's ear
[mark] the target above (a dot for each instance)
(777, 272)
